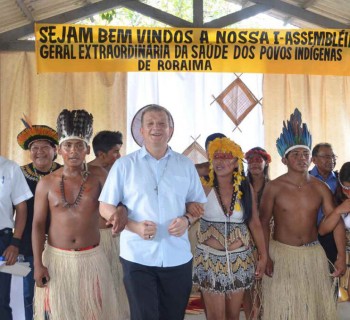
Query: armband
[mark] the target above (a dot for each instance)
(15, 242)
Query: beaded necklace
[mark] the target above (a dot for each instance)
(39, 176)
(233, 201)
(77, 200)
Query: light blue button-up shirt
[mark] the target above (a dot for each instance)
(133, 180)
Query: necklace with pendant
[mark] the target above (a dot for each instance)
(227, 213)
(39, 176)
(76, 202)
(157, 182)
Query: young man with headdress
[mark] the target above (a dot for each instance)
(154, 183)
(41, 141)
(106, 145)
(14, 192)
(297, 269)
(71, 271)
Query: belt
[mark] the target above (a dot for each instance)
(5, 231)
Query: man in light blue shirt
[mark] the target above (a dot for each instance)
(154, 183)
(333, 243)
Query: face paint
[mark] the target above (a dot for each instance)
(255, 159)
(223, 156)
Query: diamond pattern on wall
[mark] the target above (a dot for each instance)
(195, 152)
(237, 101)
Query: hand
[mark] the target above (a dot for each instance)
(269, 267)
(10, 254)
(118, 220)
(41, 276)
(195, 209)
(344, 207)
(178, 227)
(146, 229)
(340, 267)
(260, 268)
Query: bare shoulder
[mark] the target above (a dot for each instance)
(275, 184)
(98, 172)
(320, 185)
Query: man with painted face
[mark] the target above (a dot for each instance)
(41, 142)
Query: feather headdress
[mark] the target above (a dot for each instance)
(34, 132)
(295, 134)
(74, 124)
(227, 146)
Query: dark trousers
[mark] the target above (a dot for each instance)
(5, 281)
(157, 293)
(28, 289)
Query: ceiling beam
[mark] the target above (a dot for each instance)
(70, 16)
(237, 16)
(157, 14)
(18, 45)
(302, 14)
(25, 10)
(198, 13)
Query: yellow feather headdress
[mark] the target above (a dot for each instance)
(227, 146)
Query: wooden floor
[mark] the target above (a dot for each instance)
(343, 313)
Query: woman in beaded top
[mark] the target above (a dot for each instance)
(224, 262)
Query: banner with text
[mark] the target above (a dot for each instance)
(82, 48)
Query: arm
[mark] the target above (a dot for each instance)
(258, 236)
(116, 216)
(195, 210)
(266, 212)
(340, 241)
(11, 252)
(331, 215)
(41, 211)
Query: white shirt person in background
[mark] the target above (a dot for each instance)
(154, 183)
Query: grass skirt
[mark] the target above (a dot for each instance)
(110, 246)
(301, 286)
(223, 272)
(80, 286)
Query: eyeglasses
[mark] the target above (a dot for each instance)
(328, 157)
(36, 149)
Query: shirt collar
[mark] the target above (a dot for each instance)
(144, 152)
(316, 173)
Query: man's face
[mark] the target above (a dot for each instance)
(155, 129)
(298, 159)
(73, 152)
(42, 154)
(111, 156)
(325, 160)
